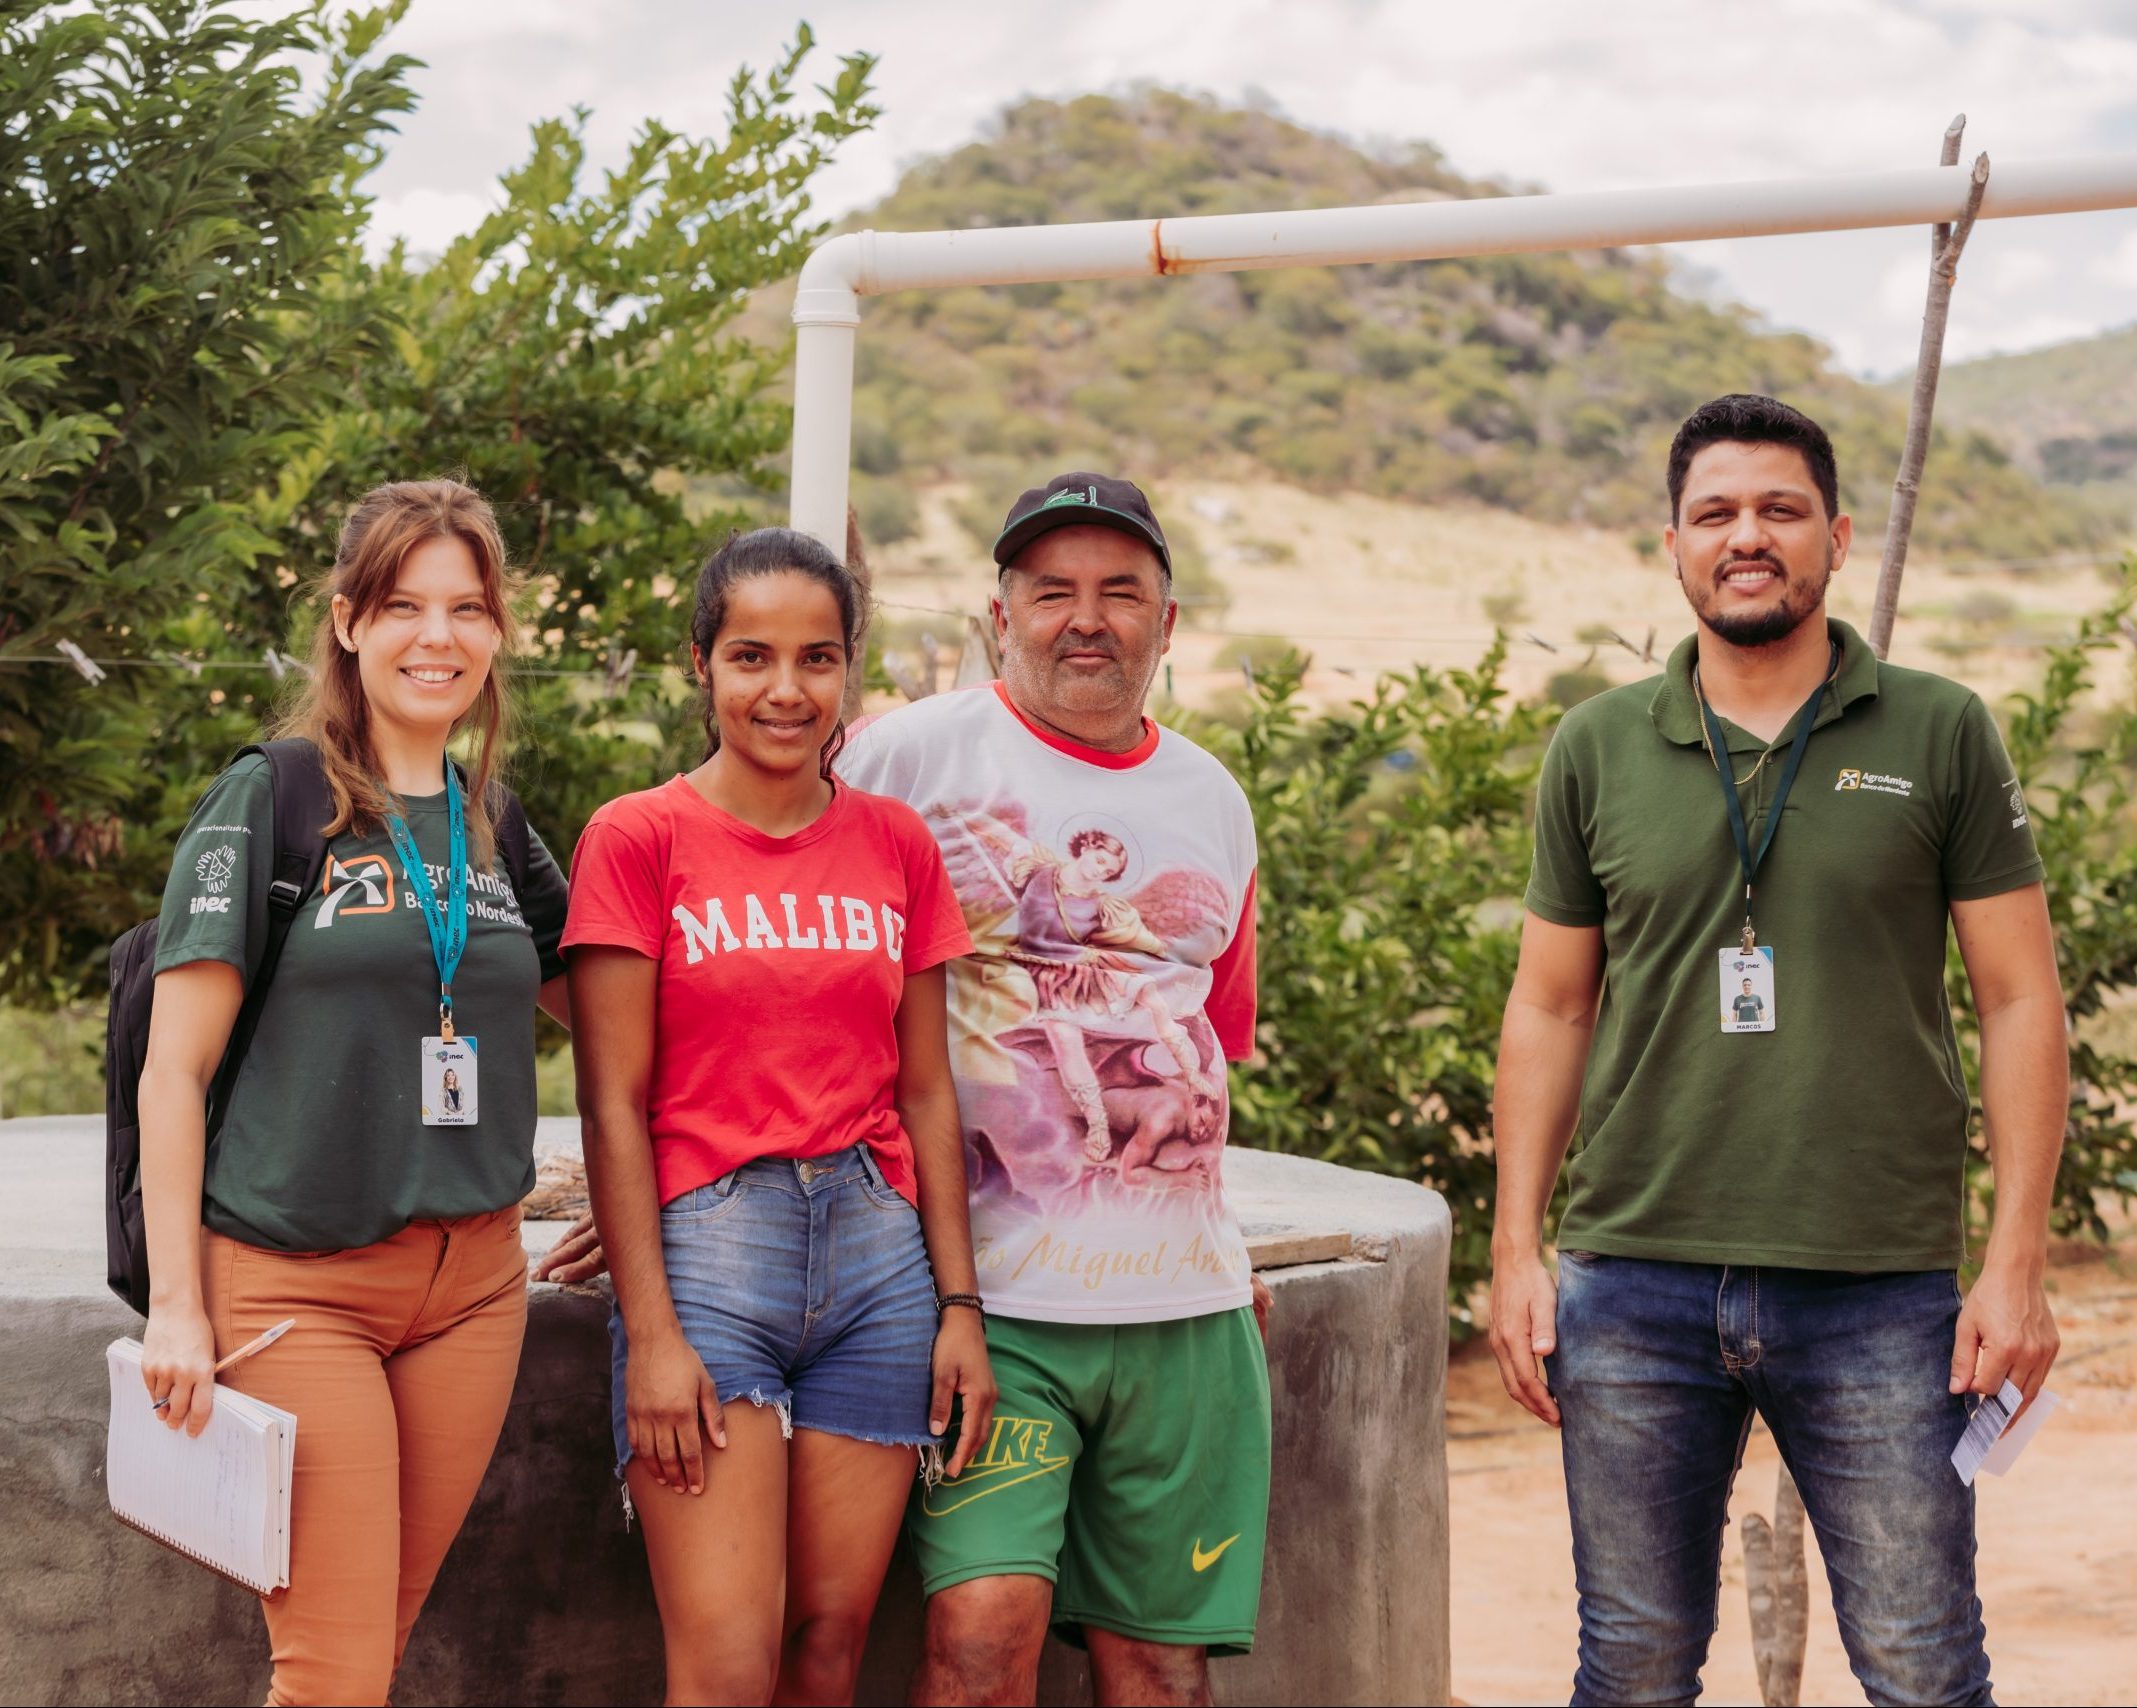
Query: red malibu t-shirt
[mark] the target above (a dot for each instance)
(782, 963)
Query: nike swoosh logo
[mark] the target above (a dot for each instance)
(946, 1497)
(1203, 1561)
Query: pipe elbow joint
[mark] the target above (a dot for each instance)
(829, 290)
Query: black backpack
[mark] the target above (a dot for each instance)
(302, 805)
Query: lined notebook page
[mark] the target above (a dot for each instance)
(221, 1498)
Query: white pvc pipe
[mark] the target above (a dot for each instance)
(823, 423)
(869, 263)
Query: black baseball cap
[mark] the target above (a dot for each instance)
(1081, 499)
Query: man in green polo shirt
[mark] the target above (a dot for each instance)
(1769, 1220)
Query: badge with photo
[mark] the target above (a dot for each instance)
(449, 1081)
(1747, 990)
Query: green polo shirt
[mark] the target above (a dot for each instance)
(323, 1147)
(1838, 1140)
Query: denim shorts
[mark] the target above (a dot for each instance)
(805, 1287)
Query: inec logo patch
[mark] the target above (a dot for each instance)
(2018, 804)
(213, 869)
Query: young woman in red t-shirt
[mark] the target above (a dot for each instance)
(773, 1148)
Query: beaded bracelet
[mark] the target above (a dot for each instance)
(948, 1299)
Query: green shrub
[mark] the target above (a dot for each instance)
(51, 1063)
(1506, 607)
(1569, 688)
(2079, 765)
(1984, 608)
(1393, 835)
(888, 510)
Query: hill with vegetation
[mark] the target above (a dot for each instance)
(2068, 412)
(1546, 384)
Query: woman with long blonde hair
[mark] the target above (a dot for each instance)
(343, 1187)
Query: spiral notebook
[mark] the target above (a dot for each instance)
(221, 1497)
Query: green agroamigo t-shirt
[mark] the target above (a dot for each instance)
(324, 1146)
(1838, 1140)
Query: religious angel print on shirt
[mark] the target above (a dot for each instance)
(1084, 1057)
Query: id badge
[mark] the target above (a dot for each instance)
(449, 1081)
(1747, 990)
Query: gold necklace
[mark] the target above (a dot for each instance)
(1699, 689)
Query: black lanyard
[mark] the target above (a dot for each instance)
(1718, 750)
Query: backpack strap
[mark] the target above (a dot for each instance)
(302, 806)
(513, 838)
(508, 820)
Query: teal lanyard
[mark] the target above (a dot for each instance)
(447, 923)
(1718, 751)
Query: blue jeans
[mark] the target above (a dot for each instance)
(805, 1287)
(1659, 1369)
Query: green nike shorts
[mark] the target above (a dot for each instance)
(1128, 1464)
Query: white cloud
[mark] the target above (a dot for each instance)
(2119, 265)
(2020, 270)
(428, 219)
(1904, 287)
(432, 30)
(1559, 92)
(2022, 332)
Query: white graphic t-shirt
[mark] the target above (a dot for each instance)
(1110, 898)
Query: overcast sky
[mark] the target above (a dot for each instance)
(1568, 94)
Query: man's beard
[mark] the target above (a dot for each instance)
(1776, 622)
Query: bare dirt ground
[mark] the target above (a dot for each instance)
(1366, 585)
(2058, 1569)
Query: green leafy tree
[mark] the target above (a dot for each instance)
(576, 358)
(202, 374)
(178, 313)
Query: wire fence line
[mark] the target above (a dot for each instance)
(1595, 636)
(597, 672)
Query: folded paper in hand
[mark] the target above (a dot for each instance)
(1992, 1443)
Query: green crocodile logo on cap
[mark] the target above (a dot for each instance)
(1089, 495)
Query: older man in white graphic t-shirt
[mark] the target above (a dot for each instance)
(1106, 869)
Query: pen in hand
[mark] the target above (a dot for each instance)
(246, 1351)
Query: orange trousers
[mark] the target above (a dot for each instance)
(399, 1372)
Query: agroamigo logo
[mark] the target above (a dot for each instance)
(1855, 781)
(361, 884)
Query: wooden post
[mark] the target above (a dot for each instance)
(1946, 243)
(857, 564)
(1778, 1583)
(979, 661)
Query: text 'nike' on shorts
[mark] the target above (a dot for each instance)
(1128, 1463)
